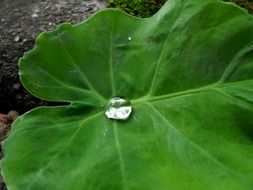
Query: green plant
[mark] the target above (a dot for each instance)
(141, 8)
(146, 8)
(188, 72)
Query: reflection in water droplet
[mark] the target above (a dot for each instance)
(118, 108)
(129, 38)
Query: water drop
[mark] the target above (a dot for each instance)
(73, 72)
(129, 38)
(118, 108)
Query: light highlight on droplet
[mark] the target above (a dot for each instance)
(118, 108)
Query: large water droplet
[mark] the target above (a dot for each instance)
(129, 38)
(118, 108)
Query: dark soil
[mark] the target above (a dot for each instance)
(20, 22)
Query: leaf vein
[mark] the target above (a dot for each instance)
(205, 153)
(234, 63)
(73, 62)
(111, 62)
(121, 161)
(65, 144)
(157, 67)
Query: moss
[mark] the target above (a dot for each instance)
(247, 4)
(146, 8)
(141, 8)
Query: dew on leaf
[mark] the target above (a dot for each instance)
(73, 71)
(118, 108)
(129, 38)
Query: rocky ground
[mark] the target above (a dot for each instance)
(20, 22)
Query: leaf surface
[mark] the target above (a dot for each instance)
(188, 72)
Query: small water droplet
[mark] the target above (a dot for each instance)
(118, 108)
(129, 38)
(72, 71)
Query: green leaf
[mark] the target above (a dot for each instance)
(188, 72)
